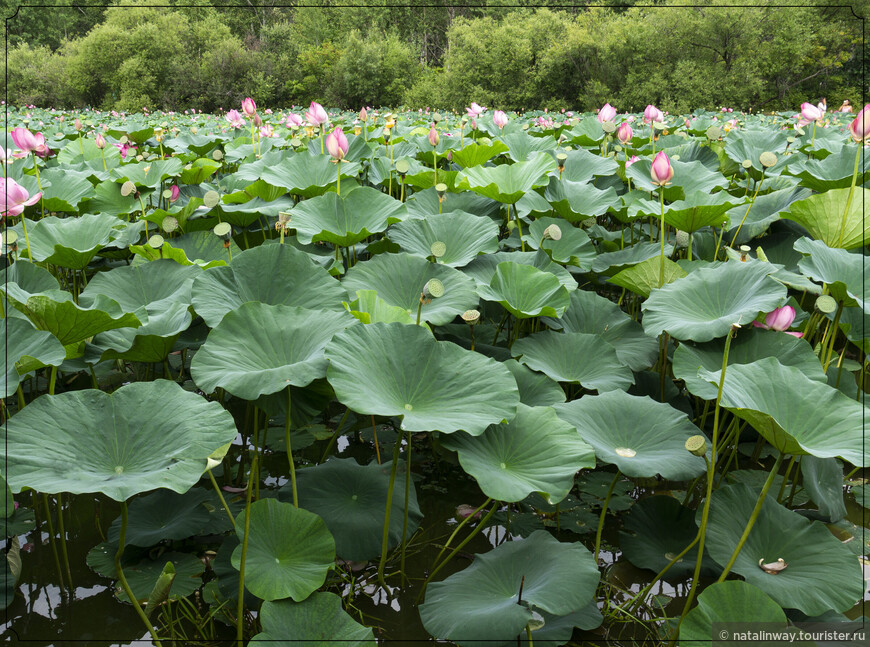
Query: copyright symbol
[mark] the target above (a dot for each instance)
(723, 634)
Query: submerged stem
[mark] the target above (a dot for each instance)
(289, 450)
(386, 536)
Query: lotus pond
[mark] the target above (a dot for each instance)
(533, 379)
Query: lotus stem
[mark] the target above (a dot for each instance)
(849, 199)
(287, 421)
(794, 482)
(519, 225)
(321, 139)
(834, 329)
(603, 515)
(711, 464)
(386, 535)
(52, 539)
(39, 184)
(813, 142)
(335, 434)
(26, 237)
(752, 517)
(640, 595)
(435, 164)
(221, 497)
(785, 478)
(337, 187)
(103, 155)
(377, 444)
(459, 527)
(719, 242)
(60, 527)
(240, 608)
(751, 202)
(407, 502)
(529, 634)
(123, 579)
(52, 380)
(662, 236)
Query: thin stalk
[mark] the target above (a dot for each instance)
(221, 497)
(519, 225)
(794, 483)
(52, 539)
(335, 434)
(337, 188)
(52, 380)
(751, 202)
(60, 527)
(386, 534)
(834, 329)
(287, 420)
(785, 478)
(377, 444)
(604, 514)
(435, 164)
(123, 580)
(459, 527)
(662, 236)
(39, 184)
(719, 242)
(26, 237)
(407, 501)
(240, 609)
(849, 199)
(752, 517)
(500, 326)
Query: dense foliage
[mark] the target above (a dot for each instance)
(210, 57)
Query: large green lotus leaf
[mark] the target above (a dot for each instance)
(145, 435)
(525, 291)
(765, 210)
(611, 262)
(147, 174)
(399, 370)
(523, 146)
(258, 349)
(143, 575)
(399, 280)
(734, 602)
(195, 247)
(795, 414)
(844, 273)
(318, 621)
(26, 349)
(689, 178)
(345, 220)
(575, 357)
(463, 234)
(640, 436)
(29, 276)
(244, 214)
(532, 204)
(583, 166)
(574, 247)
(823, 479)
(198, 171)
(536, 389)
(71, 242)
(700, 209)
(289, 553)
(482, 269)
(534, 452)
(586, 133)
(646, 276)
(425, 203)
(748, 346)
(368, 307)
(833, 172)
(821, 215)
(749, 144)
(478, 605)
(270, 274)
(163, 515)
(162, 323)
(594, 314)
(557, 630)
(576, 201)
(705, 304)
(475, 154)
(63, 189)
(56, 312)
(657, 529)
(822, 574)
(350, 498)
(507, 183)
(135, 286)
(106, 198)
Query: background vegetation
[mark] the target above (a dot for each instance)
(134, 55)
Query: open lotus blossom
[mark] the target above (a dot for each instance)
(607, 113)
(336, 144)
(316, 115)
(235, 119)
(779, 319)
(123, 148)
(661, 170)
(475, 110)
(631, 160)
(249, 107)
(29, 142)
(624, 132)
(860, 126)
(14, 197)
(810, 113)
(652, 114)
(266, 131)
(293, 120)
(499, 118)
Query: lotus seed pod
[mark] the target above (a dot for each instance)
(433, 289)
(127, 188)
(194, 130)
(402, 167)
(156, 241)
(436, 117)
(438, 249)
(826, 304)
(697, 445)
(511, 225)
(553, 233)
(223, 230)
(471, 317)
(167, 193)
(746, 163)
(11, 237)
(169, 224)
(713, 132)
(211, 199)
(589, 222)
(767, 159)
(773, 567)
(608, 127)
(537, 621)
(217, 154)
(682, 238)
(441, 188)
(744, 252)
(123, 140)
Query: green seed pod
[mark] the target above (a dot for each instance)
(826, 303)
(127, 188)
(697, 445)
(433, 289)
(156, 241)
(553, 233)
(223, 230)
(767, 159)
(160, 592)
(169, 224)
(211, 199)
(471, 317)
(217, 154)
(438, 249)
(402, 167)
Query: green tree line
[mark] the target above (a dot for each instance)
(508, 54)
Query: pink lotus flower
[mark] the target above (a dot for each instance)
(363, 115)
(235, 118)
(336, 144)
(607, 113)
(249, 107)
(652, 114)
(661, 170)
(860, 126)
(499, 118)
(175, 193)
(14, 197)
(123, 148)
(779, 319)
(475, 110)
(433, 136)
(631, 160)
(266, 131)
(101, 141)
(77, 124)
(30, 142)
(810, 113)
(293, 120)
(624, 132)
(316, 115)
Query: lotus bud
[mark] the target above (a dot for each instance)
(810, 112)
(77, 124)
(661, 170)
(363, 115)
(624, 133)
(336, 144)
(860, 126)
(257, 121)
(697, 445)
(433, 136)
(652, 114)
(464, 511)
(631, 160)
(101, 141)
(607, 113)
(471, 317)
(174, 192)
(433, 289)
(780, 319)
(553, 232)
(438, 249)
(249, 107)
(499, 118)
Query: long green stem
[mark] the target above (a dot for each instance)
(435, 164)
(122, 537)
(603, 515)
(337, 182)
(51, 539)
(407, 501)
(39, 184)
(662, 236)
(221, 497)
(60, 527)
(386, 535)
(52, 380)
(240, 608)
(459, 527)
(519, 225)
(751, 202)
(834, 328)
(773, 472)
(849, 199)
(335, 434)
(287, 420)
